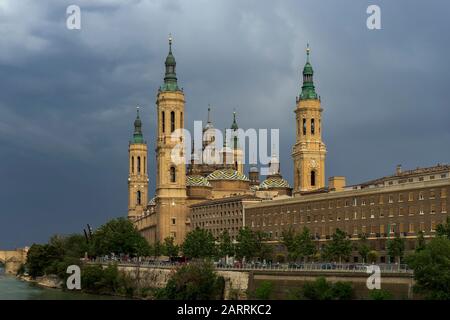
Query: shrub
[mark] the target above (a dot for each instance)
(380, 294)
(324, 290)
(264, 291)
(195, 281)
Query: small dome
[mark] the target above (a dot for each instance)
(254, 169)
(197, 181)
(227, 174)
(274, 182)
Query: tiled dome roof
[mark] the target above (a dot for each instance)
(152, 201)
(226, 174)
(197, 181)
(274, 182)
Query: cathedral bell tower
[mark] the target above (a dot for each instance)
(170, 157)
(309, 150)
(137, 177)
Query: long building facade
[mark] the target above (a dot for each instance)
(400, 205)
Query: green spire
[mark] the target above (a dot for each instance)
(308, 91)
(137, 135)
(234, 127)
(170, 78)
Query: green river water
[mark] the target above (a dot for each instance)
(12, 288)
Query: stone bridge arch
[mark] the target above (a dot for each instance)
(13, 259)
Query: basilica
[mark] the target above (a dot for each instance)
(217, 195)
(179, 186)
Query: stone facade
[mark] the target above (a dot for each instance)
(403, 205)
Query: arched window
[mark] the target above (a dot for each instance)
(172, 121)
(313, 178)
(304, 126)
(173, 177)
(163, 121)
(181, 120)
(138, 197)
(312, 126)
(145, 165)
(139, 165)
(132, 164)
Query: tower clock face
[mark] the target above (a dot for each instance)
(313, 163)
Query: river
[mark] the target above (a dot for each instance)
(12, 288)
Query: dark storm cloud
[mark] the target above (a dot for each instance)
(68, 98)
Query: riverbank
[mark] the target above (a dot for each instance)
(49, 282)
(15, 288)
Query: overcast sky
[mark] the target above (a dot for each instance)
(68, 97)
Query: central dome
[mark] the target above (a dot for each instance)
(226, 174)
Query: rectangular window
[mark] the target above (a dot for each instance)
(411, 228)
(391, 199)
(444, 207)
(422, 226)
(410, 196)
(432, 194)
(443, 193)
(433, 208)
(173, 221)
(433, 226)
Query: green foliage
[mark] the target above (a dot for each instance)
(195, 281)
(420, 242)
(170, 249)
(252, 244)
(119, 236)
(432, 269)
(363, 248)
(288, 239)
(372, 256)
(305, 245)
(96, 279)
(339, 248)
(443, 230)
(199, 243)
(226, 247)
(396, 247)
(380, 294)
(264, 291)
(321, 289)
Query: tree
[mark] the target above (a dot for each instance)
(420, 242)
(321, 289)
(443, 230)
(246, 244)
(38, 259)
(170, 249)
(380, 294)
(226, 247)
(372, 256)
(432, 269)
(199, 243)
(289, 240)
(119, 236)
(195, 281)
(263, 250)
(339, 247)
(305, 245)
(264, 291)
(363, 248)
(396, 247)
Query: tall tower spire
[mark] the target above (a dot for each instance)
(170, 159)
(309, 150)
(137, 172)
(170, 78)
(308, 90)
(137, 135)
